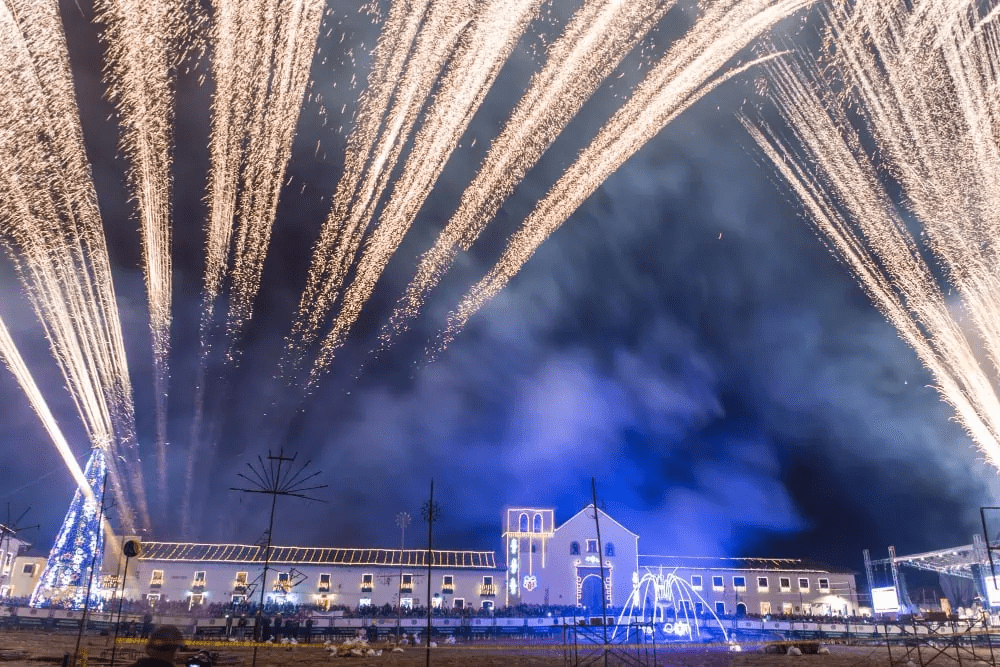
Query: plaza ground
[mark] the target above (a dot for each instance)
(38, 648)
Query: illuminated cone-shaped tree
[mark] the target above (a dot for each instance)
(79, 545)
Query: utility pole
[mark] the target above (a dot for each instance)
(93, 567)
(278, 477)
(600, 559)
(431, 511)
(402, 520)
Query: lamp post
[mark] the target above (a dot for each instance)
(402, 520)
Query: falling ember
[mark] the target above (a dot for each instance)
(596, 40)
(688, 71)
(52, 231)
(144, 38)
(486, 43)
(920, 81)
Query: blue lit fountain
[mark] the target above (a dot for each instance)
(662, 601)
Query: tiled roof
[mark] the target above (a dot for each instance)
(719, 563)
(241, 553)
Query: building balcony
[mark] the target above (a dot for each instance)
(447, 590)
(487, 590)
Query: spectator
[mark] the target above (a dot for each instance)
(162, 647)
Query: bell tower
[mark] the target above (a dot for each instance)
(525, 538)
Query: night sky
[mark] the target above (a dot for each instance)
(685, 338)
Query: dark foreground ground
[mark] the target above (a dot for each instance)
(39, 648)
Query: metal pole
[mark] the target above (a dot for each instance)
(600, 559)
(93, 566)
(430, 560)
(267, 562)
(121, 599)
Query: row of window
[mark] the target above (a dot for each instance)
(323, 584)
(574, 548)
(763, 584)
(765, 608)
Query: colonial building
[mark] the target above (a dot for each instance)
(19, 572)
(764, 586)
(203, 573)
(545, 564)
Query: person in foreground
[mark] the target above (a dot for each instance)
(162, 647)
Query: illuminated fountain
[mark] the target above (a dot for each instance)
(666, 602)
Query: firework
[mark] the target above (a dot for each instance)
(53, 233)
(907, 96)
(688, 71)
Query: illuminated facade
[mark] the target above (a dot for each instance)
(561, 565)
(228, 573)
(543, 564)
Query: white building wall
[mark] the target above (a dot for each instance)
(347, 583)
(838, 597)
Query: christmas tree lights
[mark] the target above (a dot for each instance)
(65, 579)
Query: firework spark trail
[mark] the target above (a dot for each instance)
(262, 53)
(594, 42)
(12, 357)
(415, 46)
(483, 49)
(920, 81)
(52, 231)
(689, 70)
(144, 38)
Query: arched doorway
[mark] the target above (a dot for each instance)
(590, 594)
(741, 609)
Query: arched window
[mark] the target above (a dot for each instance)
(609, 549)
(523, 523)
(537, 524)
(574, 548)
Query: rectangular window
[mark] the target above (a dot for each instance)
(487, 580)
(29, 569)
(786, 608)
(368, 582)
(765, 607)
(487, 588)
(365, 602)
(157, 578)
(785, 584)
(152, 597)
(436, 601)
(803, 584)
(448, 583)
(324, 583)
(239, 599)
(458, 603)
(762, 586)
(487, 605)
(824, 585)
(196, 600)
(241, 580)
(199, 579)
(407, 583)
(717, 584)
(740, 583)
(696, 582)
(699, 608)
(406, 603)
(591, 546)
(720, 608)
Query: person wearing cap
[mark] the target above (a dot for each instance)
(162, 647)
